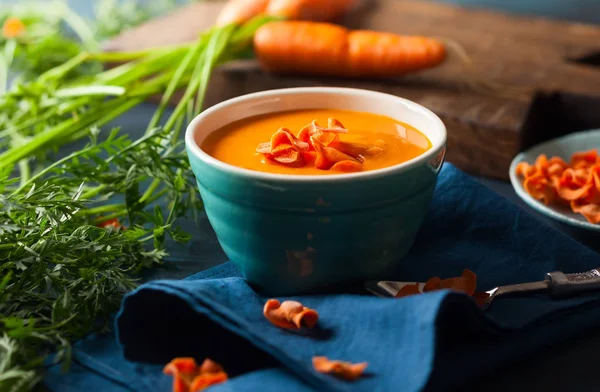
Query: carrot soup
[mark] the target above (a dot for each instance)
(316, 142)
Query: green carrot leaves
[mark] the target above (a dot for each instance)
(76, 232)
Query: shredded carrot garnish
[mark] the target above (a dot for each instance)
(319, 146)
(13, 28)
(189, 377)
(290, 314)
(345, 370)
(575, 184)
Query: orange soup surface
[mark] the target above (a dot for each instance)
(316, 141)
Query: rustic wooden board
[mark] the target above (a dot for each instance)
(557, 64)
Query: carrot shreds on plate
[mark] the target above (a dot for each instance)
(575, 184)
(290, 314)
(345, 370)
(189, 377)
(319, 146)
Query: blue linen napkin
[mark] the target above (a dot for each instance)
(434, 341)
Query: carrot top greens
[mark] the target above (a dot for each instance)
(63, 269)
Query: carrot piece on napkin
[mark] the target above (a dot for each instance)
(290, 314)
(205, 380)
(189, 377)
(575, 184)
(345, 370)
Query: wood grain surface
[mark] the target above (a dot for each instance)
(553, 65)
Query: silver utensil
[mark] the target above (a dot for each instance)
(556, 285)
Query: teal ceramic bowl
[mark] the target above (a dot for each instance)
(297, 234)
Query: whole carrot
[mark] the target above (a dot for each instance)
(240, 11)
(324, 49)
(313, 10)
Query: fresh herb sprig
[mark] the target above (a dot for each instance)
(42, 115)
(62, 273)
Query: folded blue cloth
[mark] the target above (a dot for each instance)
(434, 341)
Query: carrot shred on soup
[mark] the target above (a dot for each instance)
(319, 146)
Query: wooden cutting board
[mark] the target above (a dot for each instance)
(555, 64)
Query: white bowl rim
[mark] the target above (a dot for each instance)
(265, 176)
(535, 204)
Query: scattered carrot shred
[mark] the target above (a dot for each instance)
(13, 28)
(345, 370)
(210, 366)
(466, 283)
(189, 377)
(205, 380)
(319, 146)
(112, 224)
(407, 290)
(290, 314)
(575, 184)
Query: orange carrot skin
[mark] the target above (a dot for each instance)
(309, 48)
(241, 11)
(313, 10)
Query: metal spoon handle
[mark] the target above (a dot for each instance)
(561, 285)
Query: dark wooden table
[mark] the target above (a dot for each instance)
(567, 367)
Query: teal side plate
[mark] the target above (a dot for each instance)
(562, 147)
